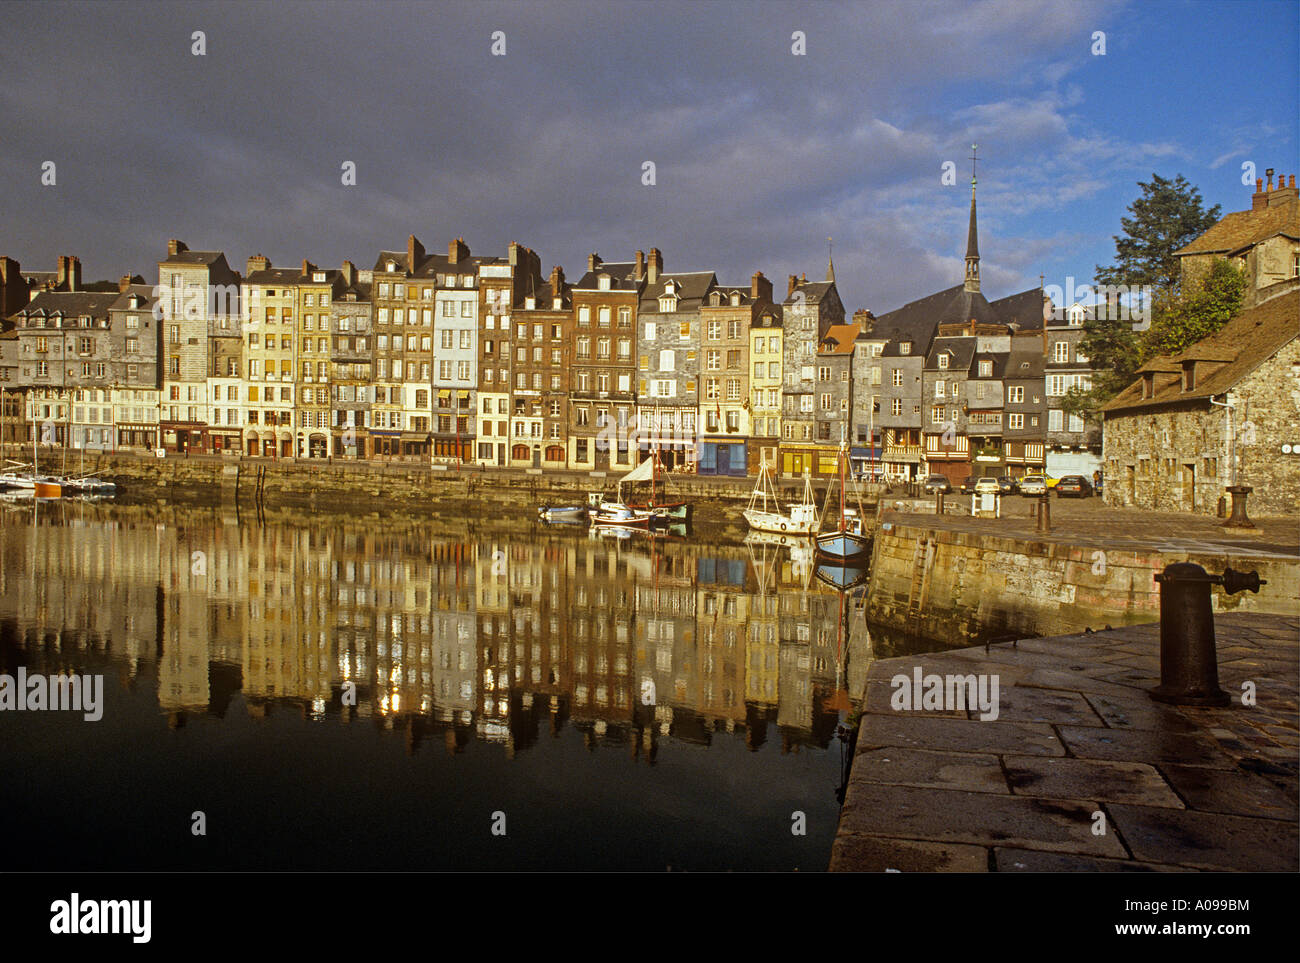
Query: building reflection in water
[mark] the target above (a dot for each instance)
(505, 637)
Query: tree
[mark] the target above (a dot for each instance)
(1192, 315)
(1168, 216)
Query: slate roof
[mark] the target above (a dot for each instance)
(280, 276)
(1243, 229)
(622, 276)
(123, 303)
(812, 291)
(1245, 342)
(961, 350)
(691, 289)
(1025, 310)
(71, 304)
(193, 257)
(1022, 355)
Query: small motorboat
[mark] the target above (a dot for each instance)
(90, 485)
(604, 512)
(563, 514)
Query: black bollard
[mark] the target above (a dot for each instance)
(1189, 667)
(1239, 519)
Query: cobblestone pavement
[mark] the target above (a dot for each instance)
(1086, 521)
(1082, 770)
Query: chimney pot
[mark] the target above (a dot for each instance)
(123, 283)
(640, 265)
(175, 247)
(1292, 183)
(791, 284)
(593, 261)
(1269, 174)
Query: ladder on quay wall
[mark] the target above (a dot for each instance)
(922, 559)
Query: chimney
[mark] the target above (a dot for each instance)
(593, 262)
(654, 265)
(349, 273)
(123, 283)
(1285, 193)
(1269, 174)
(175, 247)
(791, 284)
(803, 278)
(69, 276)
(307, 269)
(557, 280)
(640, 266)
(760, 288)
(1259, 199)
(257, 262)
(457, 251)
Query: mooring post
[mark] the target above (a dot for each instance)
(1189, 666)
(1238, 519)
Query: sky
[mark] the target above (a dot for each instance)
(760, 152)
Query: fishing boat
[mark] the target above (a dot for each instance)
(764, 511)
(648, 470)
(848, 540)
(90, 485)
(841, 577)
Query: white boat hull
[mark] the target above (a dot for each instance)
(779, 524)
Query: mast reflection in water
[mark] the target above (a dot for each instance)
(367, 694)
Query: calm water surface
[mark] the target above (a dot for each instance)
(347, 693)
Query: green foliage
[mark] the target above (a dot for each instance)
(1181, 321)
(1168, 216)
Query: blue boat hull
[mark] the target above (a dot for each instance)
(843, 545)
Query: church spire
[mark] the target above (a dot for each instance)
(972, 242)
(830, 266)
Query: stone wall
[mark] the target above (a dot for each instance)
(955, 586)
(1147, 454)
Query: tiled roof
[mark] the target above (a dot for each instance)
(839, 339)
(1243, 229)
(1244, 343)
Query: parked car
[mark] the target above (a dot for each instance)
(1008, 485)
(988, 486)
(1075, 485)
(968, 484)
(937, 483)
(1033, 485)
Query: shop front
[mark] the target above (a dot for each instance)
(723, 458)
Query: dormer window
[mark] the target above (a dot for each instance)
(986, 369)
(318, 277)
(390, 267)
(530, 303)
(1189, 375)
(668, 304)
(1148, 384)
(943, 360)
(735, 299)
(905, 347)
(602, 282)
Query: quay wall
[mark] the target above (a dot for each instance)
(951, 585)
(290, 482)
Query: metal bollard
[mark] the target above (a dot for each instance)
(1239, 519)
(1189, 666)
(1044, 514)
(938, 503)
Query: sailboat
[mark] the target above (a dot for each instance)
(848, 541)
(801, 519)
(648, 470)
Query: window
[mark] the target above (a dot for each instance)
(1055, 419)
(624, 317)
(624, 350)
(684, 330)
(584, 316)
(1016, 394)
(714, 331)
(667, 361)
(1015, 420)
(986, 369)
(943, 361)
(826, 402)
(603, 316)
(939, 389)
(896, 407)
(1076, 423)
(774, 369)
(602, 348)
(584, 347)
(936, 414)
(713, 360)
(758, 369)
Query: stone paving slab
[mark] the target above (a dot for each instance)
(928, 769)
(1032, 861)
(1077, 735)
(875, 855)
(1209, 841)
(1061, 778)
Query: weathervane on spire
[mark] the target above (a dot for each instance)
(974, 149)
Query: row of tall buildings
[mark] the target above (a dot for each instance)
(486, 360)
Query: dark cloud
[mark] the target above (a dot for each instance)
(760, 155)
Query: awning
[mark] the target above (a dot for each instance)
(463, 395)
(444, 394)
(865, 454)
